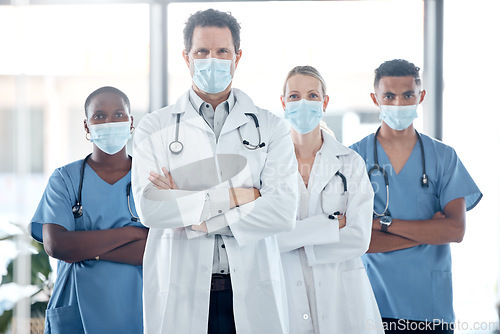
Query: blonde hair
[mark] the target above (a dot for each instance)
(306, 70)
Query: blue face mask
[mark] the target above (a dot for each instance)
(110, 137)
(398, 117)
(212, 75)
(304, 116)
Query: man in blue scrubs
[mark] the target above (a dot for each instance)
(422, 192)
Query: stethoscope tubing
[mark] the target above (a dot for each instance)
(78, 207)
(176, 145)
(377, 167)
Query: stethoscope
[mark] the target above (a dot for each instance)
(337, 214)
(78, 207)
(176, 146)
(376, 167)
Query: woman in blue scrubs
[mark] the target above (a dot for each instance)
(87, 221)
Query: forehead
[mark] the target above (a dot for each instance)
(397, 84)
(212, 37)
(300, 82)
(106, 100)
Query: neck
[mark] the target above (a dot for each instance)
(307, 145)
(387, 133)
(213, 99)
(102, 159)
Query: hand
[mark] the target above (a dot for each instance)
(240, 196)
(342, 221)
(439, 215)
(162, 182)
(202, 227)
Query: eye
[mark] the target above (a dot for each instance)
(409, 96)
(98, 116)
(202, 52)
(313, 95)
(293, 97)
(120, 114)
(388, 97)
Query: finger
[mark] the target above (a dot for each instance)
(169, 178)
(159, 183)
(171, 181)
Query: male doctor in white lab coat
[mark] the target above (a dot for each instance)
(214, 178)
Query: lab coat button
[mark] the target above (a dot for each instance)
(299, 283)
(220, 211)
(305, 316)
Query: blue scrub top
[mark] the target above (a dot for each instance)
(416, 283)
(90, 296)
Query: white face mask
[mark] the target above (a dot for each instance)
(212, 75)
(304, 116)
(110, 137)
(398, 117)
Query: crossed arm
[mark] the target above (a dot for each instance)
(444, 227)
(124, 244)
(237, 196)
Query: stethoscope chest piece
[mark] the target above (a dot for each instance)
(77, 210)
(336, 215)
(176, 147)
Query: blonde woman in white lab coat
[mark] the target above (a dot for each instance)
(327, 286)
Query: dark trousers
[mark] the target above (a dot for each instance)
(220, 315)
(398, 326)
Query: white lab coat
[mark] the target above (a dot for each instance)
(344, 298)
(178, 261)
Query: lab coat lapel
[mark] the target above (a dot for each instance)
(237, 117)
(189, 114)
(328, 166)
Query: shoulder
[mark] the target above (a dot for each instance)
(265, 117)
(69, 170)
(440, 149)
(161, 118)
(364, 145)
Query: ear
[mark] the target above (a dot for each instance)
(325, 102)
(374, 99)
(185, 55)
(283, 102)
(238, 57)
(422, 96)
(86, 126)
(131, 122)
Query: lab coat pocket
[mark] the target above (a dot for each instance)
(64, 320)
(357, 290)
(427, 205)
(442, 295)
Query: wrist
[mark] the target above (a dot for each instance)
(385, 222)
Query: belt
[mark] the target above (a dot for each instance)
(220, 282)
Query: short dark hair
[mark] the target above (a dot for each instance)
(396, 68)
(211, 18)
(106, 89)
